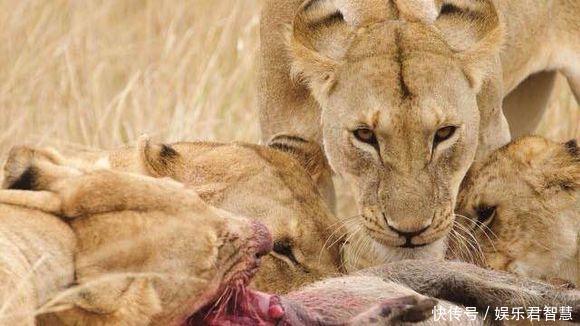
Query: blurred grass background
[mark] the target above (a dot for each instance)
(100, 73)
(97, 74)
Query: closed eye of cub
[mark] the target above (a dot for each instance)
(485, 213)
(283, 247)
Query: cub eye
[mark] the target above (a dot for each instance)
(284, 248)
(485, 213)
(443, 134)
(365, 135)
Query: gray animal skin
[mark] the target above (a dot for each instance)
(399, 293)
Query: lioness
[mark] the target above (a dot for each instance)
(36, 259)
(148, 250)
(274, 184)
(522, 205)
(405, 94)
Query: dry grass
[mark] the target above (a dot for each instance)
(99, 73)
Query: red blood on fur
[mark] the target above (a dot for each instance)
(234, 304)
(263, 239)
(276, 312)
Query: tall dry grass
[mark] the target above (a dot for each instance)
(98, 73)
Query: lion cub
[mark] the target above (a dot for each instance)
(522, 205)
(275, 184)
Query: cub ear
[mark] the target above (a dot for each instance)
(157, 160)
(311, 157)
(317, 41)
(572, 148)
(308, 153)
(565, 174)
(567, 179)
(480, 60)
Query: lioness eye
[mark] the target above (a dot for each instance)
(443, 134)
(485, 213)
(365, 135)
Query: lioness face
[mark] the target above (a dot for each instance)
(404, 149)
(521, 205)
(399, 115)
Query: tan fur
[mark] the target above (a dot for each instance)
(396, 69)
(140, 258)
(534, 185)
(126, 278)
(270, 186)
(36, 261)
(276, 185)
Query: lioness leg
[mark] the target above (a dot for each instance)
(285, 106)
(44, 201)
(574, 82)
(470, 285)
(566, 53)
(94, 192)
(524, 107)
(107, 191)
(28, 168)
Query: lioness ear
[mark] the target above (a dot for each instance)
(157, 160)
(480, 60)
(317, 41)
(569, 178)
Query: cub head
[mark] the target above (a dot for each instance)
(274, 184)
(400, 118)
(522, 205)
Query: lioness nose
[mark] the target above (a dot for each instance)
(408, 235)
(262, 238)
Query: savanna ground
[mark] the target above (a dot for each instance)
(97, 74)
